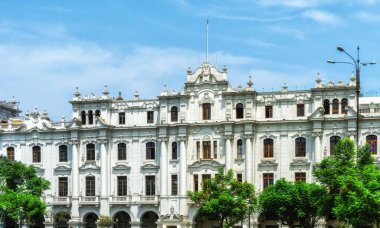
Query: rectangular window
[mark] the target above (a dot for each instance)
(300, 177)
(206, 111)
(150, 116)
(239, 177)
(205, 177)
(63, 153)
(174, 185)
(300, 110)
(206, 150)
(62, 186)
(268, 111)
(195, 182)
(150, 185)
(90, 186)
(267, 179)
(121, 117)
(198, 149)
(215, 149)
(121, 185)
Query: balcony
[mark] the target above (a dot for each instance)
(89, 200)
(62, 200)
(121, 200)
(150, 200)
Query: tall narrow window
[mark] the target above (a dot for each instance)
(195, 182)
(326, 106)
(268, 111)
(121, 185)
(239, 111)
(121, 117)
(333, 141)
(300, 177)
(205, 178)
(174, 150)
(36, 154)
(83, 117)
(90, 152)
(62, 186)
(174, 185)
(239, 177)
(121, 151)
(62, 153)
(150, 116)
(267, 179)
(198, 149)
(300, 147)
(150, 185)
(372, 141)
(90, 117)
(268, 148)
(90, 186)
(97, 113)
(150, 151)
(343, 106)
(215, 149)
(300, 110)
(206, 150)
(335, 106)
(11, 153)
(174, 114)
(206, 111)
(239, 148)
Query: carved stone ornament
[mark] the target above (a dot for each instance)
(181, 138)
(317, 134)
(74, 142)
(230, 137)
(103, 140)
(248, 136)
(163, 139)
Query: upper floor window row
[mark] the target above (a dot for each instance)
(88, 118)
(11, 153)
(333, 106)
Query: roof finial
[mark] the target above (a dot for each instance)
(207, 41)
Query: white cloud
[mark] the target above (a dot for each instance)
(290, 3)
(322, 17)
(368, 17)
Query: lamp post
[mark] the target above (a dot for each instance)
(4, 216)
(355, 63)
(21, 216)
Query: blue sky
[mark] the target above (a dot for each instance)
(47, 48)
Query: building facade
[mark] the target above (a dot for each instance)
(8, 110)
(134, 160)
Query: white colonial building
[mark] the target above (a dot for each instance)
(134, 160)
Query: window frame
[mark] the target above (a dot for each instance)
(196, 182)
(122, 185)
(90, 117)
(326, 106)
(333, 141)
(300, 147)
(300, 110)
(150, 116)
(239, 111)
(372, 141)
(174, 150)
(90, 185)
(11, 153)
(300, 177)
(150, 149)
(121, 151)
(239, 148)
(335, 106)
(268, 180)
(63, 153)
(268, 111)
(206, 111)
(121, 118)
(174, 184)
(344, 104)
(90, 152)
(83, 117)
(206, 150)
(36, 154)
(268, 148)
(63, 186)
(150, 185)
(174, 114)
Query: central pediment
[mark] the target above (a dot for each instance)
(206, 73)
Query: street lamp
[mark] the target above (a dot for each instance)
(355, 63)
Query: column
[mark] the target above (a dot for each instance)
(104, 207)
(228, 152)
(248, 158)
(317, 146)
(75, 220)
(182, 175)
(164, 175)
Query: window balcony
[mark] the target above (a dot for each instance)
(61, 200)
(89, 200)
(150, 200)
(121, 200)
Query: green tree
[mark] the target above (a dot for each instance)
(293, 203)
(21, 189)
(353, 182)
(225, 199)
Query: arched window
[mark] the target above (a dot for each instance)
(344, 105)
(174, 114)
(372, 141)
(206, 111)
(326, 106)
(300, 147)
(62, 153)
(36, 154)
(11, 153)
(83, 117)
(239, 111)
(150, 151)
(121, 151)
(240, 149)
(174, 150)
(268, 148)
(335, 106)
(333, 141)
(90, 117)
(206, 149)
(90, 148)
(97, 113)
